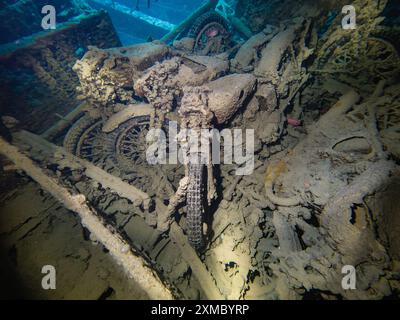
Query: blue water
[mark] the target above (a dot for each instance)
(123, 14)
(131, 30)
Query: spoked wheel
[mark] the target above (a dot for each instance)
(384, 54)
(130, 143)
(84, 139)
(375, 55)
(128, 146)
(211, 33)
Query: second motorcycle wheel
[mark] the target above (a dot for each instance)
(211, 33)
(83, 138)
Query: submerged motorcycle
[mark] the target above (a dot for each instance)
(126, 99)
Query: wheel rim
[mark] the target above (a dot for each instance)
(89, 146)
(131, 143)
(209, 32)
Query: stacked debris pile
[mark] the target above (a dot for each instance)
(38, 85)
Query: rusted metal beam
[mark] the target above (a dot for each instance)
(198, 267)
(64, 123)
(134, 265)
(59, 154)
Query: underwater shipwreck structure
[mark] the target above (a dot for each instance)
(78, 192)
